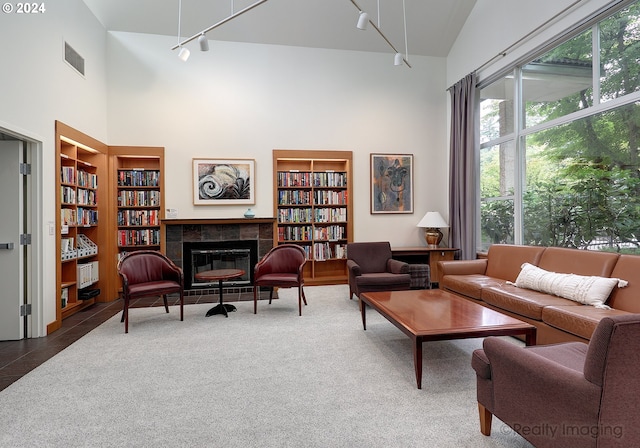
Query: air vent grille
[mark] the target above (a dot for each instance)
(73, 58)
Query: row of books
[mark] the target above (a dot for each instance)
(295, 233)
(330, 179)
(141, 237)
(327, 251)
(79, 217)
(87, 197)
(311, 233)
(295, 215)
(294, 197)
(330, 214)
(331, 233)
(87, 274)
(68, 175)
(294, 179)
(330, 197)
(67, 195)
(307, 179)
(138, 178)
(87, 180)
(138, 218)
(320, 197)
(307, 215)
(139, 198)
(87, 217)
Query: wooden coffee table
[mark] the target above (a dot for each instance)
(220, 275)
(435, 315)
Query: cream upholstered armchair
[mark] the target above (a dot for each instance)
(371, 269)
(565, 395)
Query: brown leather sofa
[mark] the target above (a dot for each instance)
(484, 281)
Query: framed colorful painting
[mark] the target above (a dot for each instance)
(391, 183)
(223, 181)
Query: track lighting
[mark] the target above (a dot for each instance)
(201, 35)
(204, 43)
(363, 21)
(184, 54)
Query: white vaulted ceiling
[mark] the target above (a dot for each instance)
(432, 25)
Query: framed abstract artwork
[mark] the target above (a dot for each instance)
(224, 181)
(391, 183)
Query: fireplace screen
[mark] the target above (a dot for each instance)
(210, 259)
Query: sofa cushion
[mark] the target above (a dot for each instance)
(589, 290)
(468, 285)
(580, 320)
(524, 302)
(504, 260)
(626, 299)
(577, 261)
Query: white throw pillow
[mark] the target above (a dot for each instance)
(589, 290)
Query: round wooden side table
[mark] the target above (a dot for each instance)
(220, 275)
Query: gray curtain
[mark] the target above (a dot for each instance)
(462, 167)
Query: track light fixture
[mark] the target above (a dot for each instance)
(202, 39)
(184, 54)
(363, 21)
(204, 42)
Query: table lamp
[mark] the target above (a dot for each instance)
(432, 222)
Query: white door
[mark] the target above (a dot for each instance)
(12, 325)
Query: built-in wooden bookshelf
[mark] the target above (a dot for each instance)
(109, 200)
(81, 270)
(312, 207)
(137, 189)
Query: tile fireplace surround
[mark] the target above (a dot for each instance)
(176, 232)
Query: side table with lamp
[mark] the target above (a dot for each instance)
(432, 222)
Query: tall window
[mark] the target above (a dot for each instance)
(560, 144)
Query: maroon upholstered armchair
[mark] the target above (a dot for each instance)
(281, 267)
(148, 273)
(565, 395)
(371, 269)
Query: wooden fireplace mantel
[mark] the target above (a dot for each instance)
(222, 221)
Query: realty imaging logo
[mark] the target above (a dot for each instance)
(553, 431)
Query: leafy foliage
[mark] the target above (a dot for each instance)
(583, 178)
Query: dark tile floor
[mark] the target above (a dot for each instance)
(17, 358)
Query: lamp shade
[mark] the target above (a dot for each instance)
(432, 220)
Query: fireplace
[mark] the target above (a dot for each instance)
(208, 255)
(183, 235)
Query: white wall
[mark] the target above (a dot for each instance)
(494, 25)
(243, 100)
(38, 87)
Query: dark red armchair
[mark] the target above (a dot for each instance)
(148, 273)
(281, 267)
(565, 395)
(372, 269)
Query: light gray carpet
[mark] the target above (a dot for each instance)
(268, 380)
